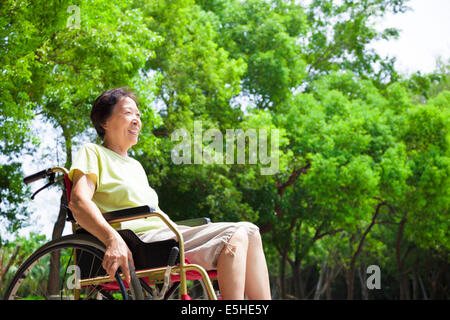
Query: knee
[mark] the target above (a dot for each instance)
(252, 231)
(240, 236)
(238, 243)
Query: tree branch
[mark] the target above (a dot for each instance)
(332, 232)
(294, 175)
(366, 232)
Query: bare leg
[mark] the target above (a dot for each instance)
(231, 266)
(257, 285)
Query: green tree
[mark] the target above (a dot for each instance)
(54, 69)
(264, 34)
(14, 253)
(340, 34)
(13, 196)
(65, 65)
(198, 76)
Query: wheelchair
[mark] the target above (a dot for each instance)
(69, 268)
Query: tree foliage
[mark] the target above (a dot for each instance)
(363, 167)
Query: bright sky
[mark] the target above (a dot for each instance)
(424, 36)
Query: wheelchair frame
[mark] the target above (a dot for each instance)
(156, 275)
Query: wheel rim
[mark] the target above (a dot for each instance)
(70, 262)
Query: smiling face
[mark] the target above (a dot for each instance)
(123, 126)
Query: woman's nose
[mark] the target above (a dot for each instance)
(136, 121)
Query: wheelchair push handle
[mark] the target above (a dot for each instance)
(44, 174)
(47, 173)
(37, 176)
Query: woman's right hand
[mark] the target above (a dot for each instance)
(117, 255)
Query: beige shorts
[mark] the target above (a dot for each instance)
(202, 244)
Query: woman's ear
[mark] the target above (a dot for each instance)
(105, 125)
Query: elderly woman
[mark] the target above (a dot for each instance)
(105, 178)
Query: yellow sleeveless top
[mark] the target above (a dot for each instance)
(121, 183)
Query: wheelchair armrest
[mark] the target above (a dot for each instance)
(194, 222)
(144, 211)
(128, 214)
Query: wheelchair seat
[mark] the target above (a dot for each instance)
(145, 255)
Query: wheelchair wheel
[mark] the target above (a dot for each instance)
(196, 290)
(72, 259)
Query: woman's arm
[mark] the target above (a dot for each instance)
(89, 217)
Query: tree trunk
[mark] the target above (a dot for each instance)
(351, 271)
(331, 275)
(281, 187)
(298, 286)
(350, 277)
(274, 280)
(415, 288)
(283, 275)
(328, 289)
(321, 284)
(363, 281)
(404, 287)
(422, 287)
(53, 281)
(4, 269)
(402, 276)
